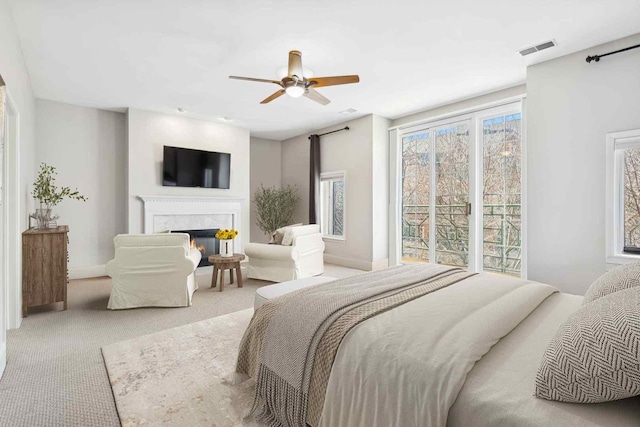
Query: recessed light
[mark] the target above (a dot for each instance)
(348, 111)
(225, 119)
(180, 110)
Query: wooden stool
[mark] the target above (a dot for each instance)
(220, 264)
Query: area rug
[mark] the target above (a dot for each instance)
(177, 377)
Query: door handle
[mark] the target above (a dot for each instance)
(468, 208)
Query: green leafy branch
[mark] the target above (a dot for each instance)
(275, 207)
(46, 191)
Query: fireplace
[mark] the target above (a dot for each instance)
(205, 241)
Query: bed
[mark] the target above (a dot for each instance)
(465, 354)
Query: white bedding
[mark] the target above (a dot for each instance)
(499, 389)
(405, 367)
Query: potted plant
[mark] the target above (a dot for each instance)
(49, 195)
(226, 241)
(275, 207)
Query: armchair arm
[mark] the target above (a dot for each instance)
(194, 256)
(265, 251)
(110, 267)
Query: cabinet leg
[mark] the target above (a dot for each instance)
(231, 275)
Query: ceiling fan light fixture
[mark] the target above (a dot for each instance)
(295, 91)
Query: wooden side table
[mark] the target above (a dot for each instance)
(220, 264)
(44, 267)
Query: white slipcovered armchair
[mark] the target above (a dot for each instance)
(152, 270)
(280, 263)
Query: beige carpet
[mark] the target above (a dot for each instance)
(177, 377)
(55, 374)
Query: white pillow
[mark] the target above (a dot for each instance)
(287, 240)
(277, 236)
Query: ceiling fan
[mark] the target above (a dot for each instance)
(296, 85)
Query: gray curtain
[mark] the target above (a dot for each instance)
(314, 180)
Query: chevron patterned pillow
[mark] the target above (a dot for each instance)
(595, 355)
(623, 277)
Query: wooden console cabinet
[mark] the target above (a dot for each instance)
(44, 267)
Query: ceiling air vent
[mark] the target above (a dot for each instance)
(537, 48)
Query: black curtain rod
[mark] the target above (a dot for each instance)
(334, 131)
(597, 57)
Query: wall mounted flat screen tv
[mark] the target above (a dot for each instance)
(184, 167)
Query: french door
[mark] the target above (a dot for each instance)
(461, 192)
(435, 195)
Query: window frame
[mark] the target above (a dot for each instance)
(617, 143)
(476, 116)
(329, 176)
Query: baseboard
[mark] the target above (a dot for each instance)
(380, 264)
(3, 357)
(87, 272)
(356, 263)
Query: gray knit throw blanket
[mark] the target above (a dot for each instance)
(291, 342)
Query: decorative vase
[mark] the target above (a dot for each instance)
(42, 217)
(226, 248)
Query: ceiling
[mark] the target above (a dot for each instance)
(159, 55)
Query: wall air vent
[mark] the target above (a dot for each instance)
(537, 48)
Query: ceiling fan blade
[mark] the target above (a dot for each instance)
(332, 81)
(314, 95)
(251, 79)
(295, 64)
(274, 96)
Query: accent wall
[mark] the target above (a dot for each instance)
(149, 132)
(362, 153)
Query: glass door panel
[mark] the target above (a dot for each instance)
(452, 194)
(416, 193)
(502, 210)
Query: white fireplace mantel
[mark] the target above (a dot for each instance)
(225, 211)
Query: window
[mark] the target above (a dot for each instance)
(447, 168)
(501, 198)
(623, 197)
(332, 206)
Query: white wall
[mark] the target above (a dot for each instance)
(147, 134)
(266, 171)
(462, 105)
(380, 191)
(18, 85)
(351, 151)
(88, 148)
(571, 105)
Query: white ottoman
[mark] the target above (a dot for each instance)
(266, 293)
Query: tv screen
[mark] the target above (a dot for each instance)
(183, 167)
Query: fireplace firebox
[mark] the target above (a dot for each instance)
(205, 241)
